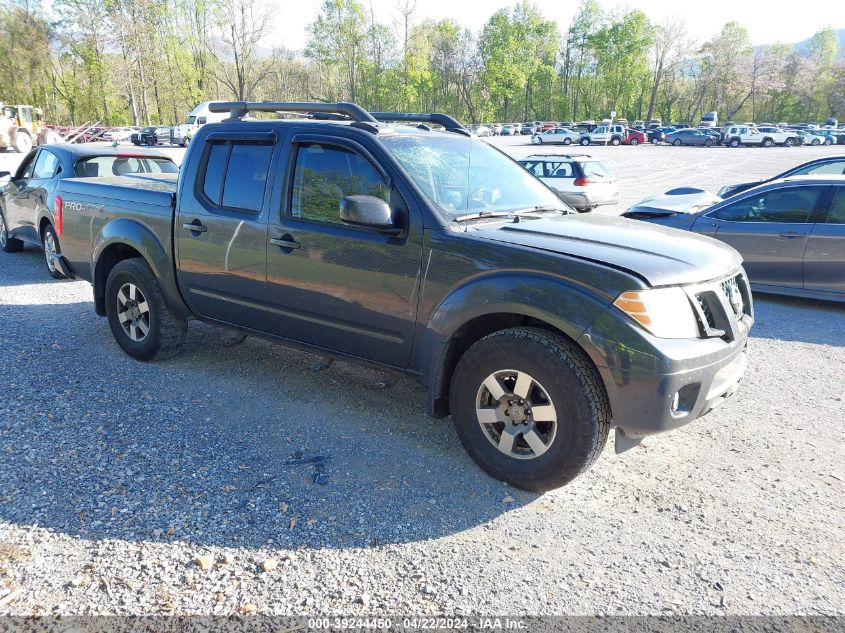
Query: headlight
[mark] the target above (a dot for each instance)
(665, 312)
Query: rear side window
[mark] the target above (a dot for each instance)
(834, 167)
(535, 167)
(837, 211)
(122, 165)
(324, 175)
(780, 205)
(235, 175)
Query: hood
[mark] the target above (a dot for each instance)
(680, 200)
(659, 255)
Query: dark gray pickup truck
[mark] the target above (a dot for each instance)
(376, 238)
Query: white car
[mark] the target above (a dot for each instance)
(497, 129)
(779, 136)
(737, 135)
(556, 136)
(606, 134)
(120, 133)
(582, 181)
(481, 130)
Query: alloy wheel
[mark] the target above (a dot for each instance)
(516, 414)
(133, 312)
(50, 250)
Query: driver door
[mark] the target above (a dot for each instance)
(19, 199)
(345, 288)
(770, 229)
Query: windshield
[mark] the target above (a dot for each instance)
(466, 177)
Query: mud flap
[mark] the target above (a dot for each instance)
(623, 443)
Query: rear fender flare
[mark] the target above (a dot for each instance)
(560, 304)
(121, 233)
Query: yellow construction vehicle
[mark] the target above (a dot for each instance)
(21, 127)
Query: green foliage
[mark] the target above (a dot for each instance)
(151, 61)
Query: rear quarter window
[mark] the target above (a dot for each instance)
(235, 174)
(595, 169)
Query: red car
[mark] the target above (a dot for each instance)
(633, 137)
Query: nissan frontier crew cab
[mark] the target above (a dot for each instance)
(375, 237)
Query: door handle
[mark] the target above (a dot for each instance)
(195, 227)
(286, 241)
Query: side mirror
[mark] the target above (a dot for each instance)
(368, 211)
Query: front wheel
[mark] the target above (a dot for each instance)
(788, 142)
(50, 242)
(827, 141)
(8, 244)
(816, 142)
(708, 143)
(567, 141)
(23, 142)
(529, 408)
(767, 142)
(139, 317)
(734, 143)
(634, 141)
(655, 141)
(585, 141)
(676, 142)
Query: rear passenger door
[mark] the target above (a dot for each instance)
(344, 288)
(824, 259)
(221, 229)
(770, 229)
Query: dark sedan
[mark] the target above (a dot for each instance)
(791, 234)
(689, 136)
(30, 212)
(830, 165)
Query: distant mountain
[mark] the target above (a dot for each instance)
(840, 36)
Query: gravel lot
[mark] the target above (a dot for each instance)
(188, 486)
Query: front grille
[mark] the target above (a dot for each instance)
(723, 307)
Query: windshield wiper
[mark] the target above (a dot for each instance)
(483, 214)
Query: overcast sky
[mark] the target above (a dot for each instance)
(767, 22)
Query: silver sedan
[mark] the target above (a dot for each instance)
(556, 136)
(790, 232)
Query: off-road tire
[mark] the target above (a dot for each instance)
(573, 385)
(166, 331)
(23, 142)
(8, 244)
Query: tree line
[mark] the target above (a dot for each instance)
(150, 61)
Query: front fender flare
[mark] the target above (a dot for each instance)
(562, 304)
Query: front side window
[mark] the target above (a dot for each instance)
(235, 174)
(781, 205)
(46, 165)
(324, 175)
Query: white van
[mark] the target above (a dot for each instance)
(709, 119)
(199, 116)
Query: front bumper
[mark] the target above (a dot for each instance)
(589, 199)
(656, 385)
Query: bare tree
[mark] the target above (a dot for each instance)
(668, 50)
(242, 26)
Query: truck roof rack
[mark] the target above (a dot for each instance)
(337, 112)
(449, 123)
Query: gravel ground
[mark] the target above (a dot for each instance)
(136, 488)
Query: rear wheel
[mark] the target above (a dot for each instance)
(567, 141)
(139, 317)
(827, 141)
(734, 142)
(634, 141)
(8, 244)
(676, 142)
(529, 408)
(655, 141)
(615, 141)
(708, 143)
(50, 242)
(816, 142)
(767, 142)
(788, 142)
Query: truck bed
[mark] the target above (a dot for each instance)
(153, 189)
